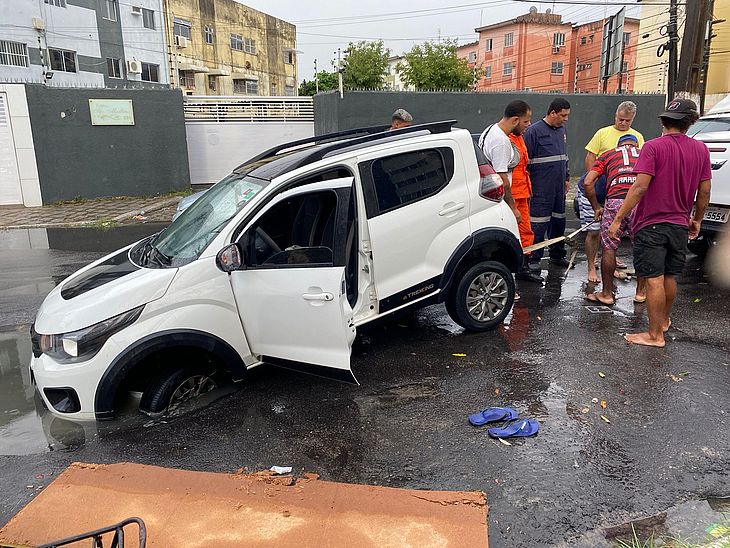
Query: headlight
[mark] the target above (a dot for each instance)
(83, 344)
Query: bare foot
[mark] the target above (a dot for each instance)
(620, 274)
(600, 298)
(644, 339)
(593, 277)
(666, 327)
(638, 299)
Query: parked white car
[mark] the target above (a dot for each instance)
(714, 130)
(281, 262)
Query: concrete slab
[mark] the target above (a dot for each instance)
(194, 509)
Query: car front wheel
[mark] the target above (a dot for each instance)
(483, 296)
(172, 388)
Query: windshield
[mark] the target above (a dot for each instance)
(195, 228)
(709, 125)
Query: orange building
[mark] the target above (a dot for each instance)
(537, 51)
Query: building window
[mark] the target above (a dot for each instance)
(62, 60)
(583, 41)
(274, 90)
(239, 43)
(590, 38)
(556, 68)
(472, 57)
(150, 72)
(627, 38)
(208, 35)
(246, 87)
(57, 3)
(109, 9)
(114, 67)
(289, 57)
(148, 18)
(488, 44)
(625, 67)
(181, 27)
(212, 83)
(558, 39)
(187, 79)
(507, 69)
(509, 39)
(289, 91)
(488, 71)
(14, 54)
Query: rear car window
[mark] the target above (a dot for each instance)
(709, 125)
(402, 179)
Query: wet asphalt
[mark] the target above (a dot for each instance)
(667, 442)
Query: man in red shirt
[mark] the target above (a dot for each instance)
(672, 175)
(618, 166)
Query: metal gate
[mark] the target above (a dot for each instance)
(224, 132)
(10, 192)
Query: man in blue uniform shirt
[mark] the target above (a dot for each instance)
(548, 165)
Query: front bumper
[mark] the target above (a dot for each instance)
(69, 390)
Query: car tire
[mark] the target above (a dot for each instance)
(488, 290)
(172, 387)
(699, 246)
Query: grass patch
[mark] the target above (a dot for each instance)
(653, 541)
(102, 224)
(79, 200)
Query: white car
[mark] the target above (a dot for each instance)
(714, 130)
(281, 262)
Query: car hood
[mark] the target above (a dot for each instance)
(105, 288)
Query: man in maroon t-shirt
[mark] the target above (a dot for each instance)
(673, 175)
(618, 166)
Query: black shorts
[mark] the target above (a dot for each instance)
(660, 249)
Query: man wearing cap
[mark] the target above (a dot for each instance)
(672, 176)
(603, 140)
(401, 118)
(617, 165)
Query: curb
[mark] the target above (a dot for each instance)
(155, 206)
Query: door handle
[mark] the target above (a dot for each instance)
(452, 208)
(318, 297)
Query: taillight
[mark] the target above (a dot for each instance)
(490, 184)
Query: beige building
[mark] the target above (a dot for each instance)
(222, 47)
(651, 71)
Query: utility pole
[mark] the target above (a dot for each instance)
(693, 45)
(711, 21)
(316, 79)
(621, 68)
(339, 72)
(671, 45)
(575, 78)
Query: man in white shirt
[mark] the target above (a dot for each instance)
(500, 151)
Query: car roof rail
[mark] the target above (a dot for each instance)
(273, 151)
(432, 127)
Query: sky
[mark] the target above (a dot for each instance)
(325, 25)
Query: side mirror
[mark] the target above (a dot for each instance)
(229, 258)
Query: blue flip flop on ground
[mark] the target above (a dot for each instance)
(518, 429)
(493, 414)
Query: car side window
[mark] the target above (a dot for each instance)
(298, 231)
(402, 179)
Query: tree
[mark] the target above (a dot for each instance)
(365, 65)
(327, 81)
(436, 66)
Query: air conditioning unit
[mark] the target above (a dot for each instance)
(136, 10)
(181, 42)
(556, 49)
(134, 67)
(39, 24)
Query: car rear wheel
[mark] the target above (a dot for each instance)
(172, 388)
(483, 296)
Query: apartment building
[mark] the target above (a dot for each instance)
(393, 81)
(81, 43)
(222, 47)
(538, 51)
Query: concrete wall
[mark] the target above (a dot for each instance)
(474, 111)
(75, 158)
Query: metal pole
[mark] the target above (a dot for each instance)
(575, 79)
(673, 40)
(316, 79)
(706, 53)
(621, 68)
(339, 72)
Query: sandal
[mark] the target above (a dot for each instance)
(492, 414)
(521, 428)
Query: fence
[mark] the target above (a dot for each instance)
(244, 109)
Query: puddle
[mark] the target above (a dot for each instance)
(76, 239)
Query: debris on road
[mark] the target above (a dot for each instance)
(602, 374)
(281, 469)
(604, 418)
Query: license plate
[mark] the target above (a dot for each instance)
(716, 215)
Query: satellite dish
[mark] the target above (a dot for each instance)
(533, 9)
(548, 11)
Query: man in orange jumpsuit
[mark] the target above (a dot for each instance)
(521, 192)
